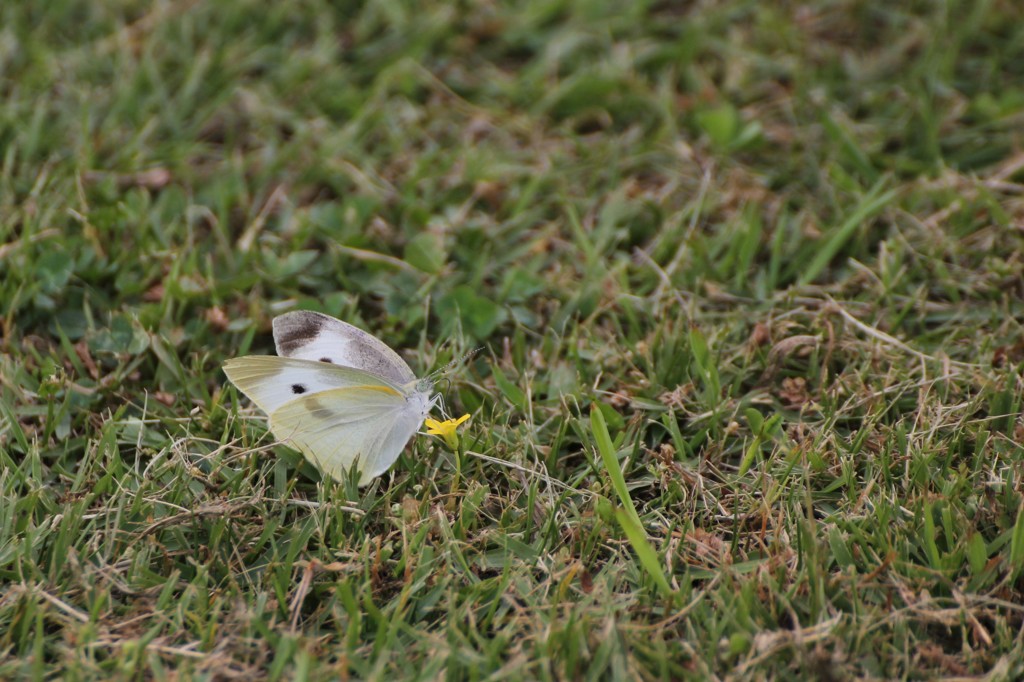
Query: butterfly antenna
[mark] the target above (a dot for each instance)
(456, 361)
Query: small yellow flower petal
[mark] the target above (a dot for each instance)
(446, 430)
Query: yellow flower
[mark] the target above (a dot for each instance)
(446, 430)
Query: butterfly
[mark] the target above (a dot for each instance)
(336, 393)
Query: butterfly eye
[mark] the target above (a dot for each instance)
(298, 389)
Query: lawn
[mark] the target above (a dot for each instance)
(746, 280)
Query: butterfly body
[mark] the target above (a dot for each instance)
(335, 393)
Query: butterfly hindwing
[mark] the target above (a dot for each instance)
(335, 428)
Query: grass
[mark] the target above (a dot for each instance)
(748, 281)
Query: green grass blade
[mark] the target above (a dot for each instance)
(870, 204)
(611, 463)
(626, 514)
(648, 557)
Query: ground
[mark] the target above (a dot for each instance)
(746, 280)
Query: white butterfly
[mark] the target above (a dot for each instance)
(335, 393)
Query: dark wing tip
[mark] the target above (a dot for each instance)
(294, 330)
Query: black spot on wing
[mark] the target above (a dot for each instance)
(327, 360)
(295, 330)
(298, 389)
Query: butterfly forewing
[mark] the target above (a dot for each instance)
(271, 381)
(307, 335)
